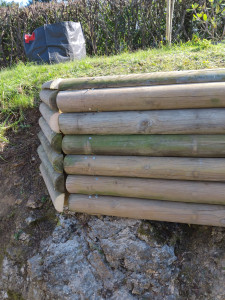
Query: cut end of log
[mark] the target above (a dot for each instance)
(50, 116)
(59, 202)
(52, 84)
(55, 139)
(49, 98)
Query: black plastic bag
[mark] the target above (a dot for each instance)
(54, 43)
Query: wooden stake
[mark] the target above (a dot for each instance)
(169, 19)
(190, 213)
(171, 190)
(168, 16)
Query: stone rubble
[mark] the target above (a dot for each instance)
(87, 257)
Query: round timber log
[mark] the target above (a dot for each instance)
(158, 189)
(180, 121)
(201, 95)
(146, 145)
(202, 169)
(145, 79)
(191, 213)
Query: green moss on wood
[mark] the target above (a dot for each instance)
(153, 145)
(58, 164)
(215, 101)
(57, 143)
(146, 79)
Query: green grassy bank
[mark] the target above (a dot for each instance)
(20, 85)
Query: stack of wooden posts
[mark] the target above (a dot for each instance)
(50, 150)
(149, 146)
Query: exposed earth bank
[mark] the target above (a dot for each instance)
(45, 255)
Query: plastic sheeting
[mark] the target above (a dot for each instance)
(54, 43)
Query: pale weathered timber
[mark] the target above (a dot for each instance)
(57, 198)
(145, 79)
(168, 23)
(158, 189)
(169, 20)
(181, 121)
(202, 169)
(57, 179)
(49, 98)
(200, 95)
(50, 116)
(149, 145)
(55, 158)
(52, 84)
(190, 213)
(55, 139)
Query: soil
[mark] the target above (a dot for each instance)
(25, 205)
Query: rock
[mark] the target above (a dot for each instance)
(24, 237)
(18, 201)
(32, 203)
(93, 261)
(11, 279)
(34, 217)
(35, 269)
(30, 220)
(86, 257)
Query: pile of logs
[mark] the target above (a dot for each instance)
(50, 150)
(148, 146)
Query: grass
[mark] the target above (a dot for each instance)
(20, 85)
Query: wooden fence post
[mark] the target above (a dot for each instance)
(169, 19)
